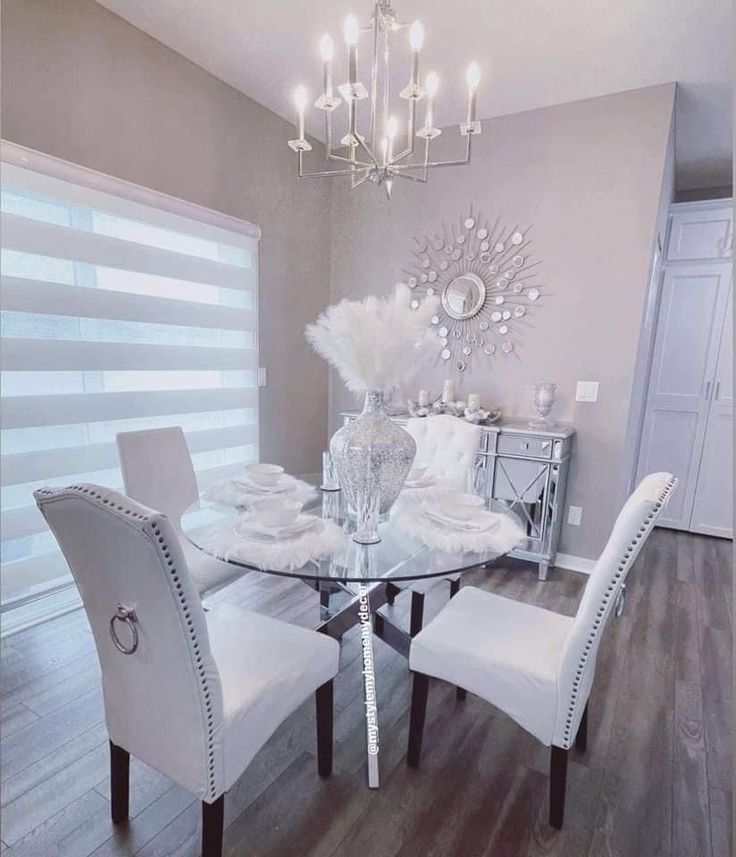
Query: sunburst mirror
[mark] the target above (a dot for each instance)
(487, 282)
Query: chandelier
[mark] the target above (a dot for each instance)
(374, 155)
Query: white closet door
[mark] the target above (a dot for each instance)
(680, 384)
(712, 508)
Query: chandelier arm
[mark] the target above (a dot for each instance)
(373, 133)
(302, 175)
(429, 164)
(411, 178)
(358, 182)
(409, 150)
(367, 151)
(329, 150)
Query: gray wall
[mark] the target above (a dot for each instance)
(81, 84)
(589, 176)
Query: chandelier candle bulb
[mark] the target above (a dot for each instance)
(351, 32)
(472, 77)
(416, 38)
(300, 102)
(327, 51)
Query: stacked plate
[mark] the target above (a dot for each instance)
(250, 527)
(459, 511)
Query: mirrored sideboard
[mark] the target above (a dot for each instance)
(523, 470)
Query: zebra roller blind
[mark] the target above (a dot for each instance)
(122, 309)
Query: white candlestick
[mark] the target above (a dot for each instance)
(473, 401)
(423, 399)
(327, 50)
(448, 391)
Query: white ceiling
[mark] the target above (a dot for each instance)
(533, 53)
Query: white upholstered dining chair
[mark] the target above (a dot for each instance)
(193, 695)
(449, 447)
(158, 472)
(535, 665)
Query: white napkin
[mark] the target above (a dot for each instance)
(242, 492)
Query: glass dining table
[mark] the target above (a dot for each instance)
(352, 584)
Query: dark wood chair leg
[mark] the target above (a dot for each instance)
(213, 817)
(324, 700)
(324, 598)
(417, 613)
(557, 786)
(119, 783)
(420, 691)
(581, 739)
(391, 592)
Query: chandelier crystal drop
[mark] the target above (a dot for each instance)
(372, 153)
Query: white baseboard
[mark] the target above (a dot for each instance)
(574, 563)
(34, 610)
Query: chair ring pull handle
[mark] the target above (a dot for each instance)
(620, 601)
(126, 615)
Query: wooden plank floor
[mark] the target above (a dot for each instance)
(656, 779)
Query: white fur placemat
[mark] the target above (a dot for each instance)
(228, 542)
(230, 492)
(502, 536)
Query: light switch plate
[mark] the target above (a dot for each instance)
(586, 391)
(574, 515)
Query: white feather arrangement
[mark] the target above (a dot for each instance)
(377, 343)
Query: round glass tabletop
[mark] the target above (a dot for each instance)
(399, 556)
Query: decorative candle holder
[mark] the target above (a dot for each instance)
(543, 398)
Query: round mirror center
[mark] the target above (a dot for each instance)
(464, 296)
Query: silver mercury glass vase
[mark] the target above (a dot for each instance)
(372, 453)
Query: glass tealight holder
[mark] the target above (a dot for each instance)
(543, 398)
(367, 517)
(330, 481)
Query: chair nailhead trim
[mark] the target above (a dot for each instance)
(204, 686)
(623, 567)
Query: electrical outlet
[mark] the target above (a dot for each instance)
(586, 391)
(262, 376)
(574, 515)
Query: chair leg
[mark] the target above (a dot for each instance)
(213, 817)
(557, 786)
(460, 693)
(581, 739)
(391, 592)
(417, 613)
(119, 783)
(324, 700)
(420, 691)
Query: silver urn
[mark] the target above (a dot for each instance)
(373, 454)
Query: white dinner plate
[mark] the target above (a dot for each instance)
(251, 528)
(286, 483)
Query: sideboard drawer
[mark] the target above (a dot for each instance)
(534, 447)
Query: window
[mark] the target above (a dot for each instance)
(122, 309)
